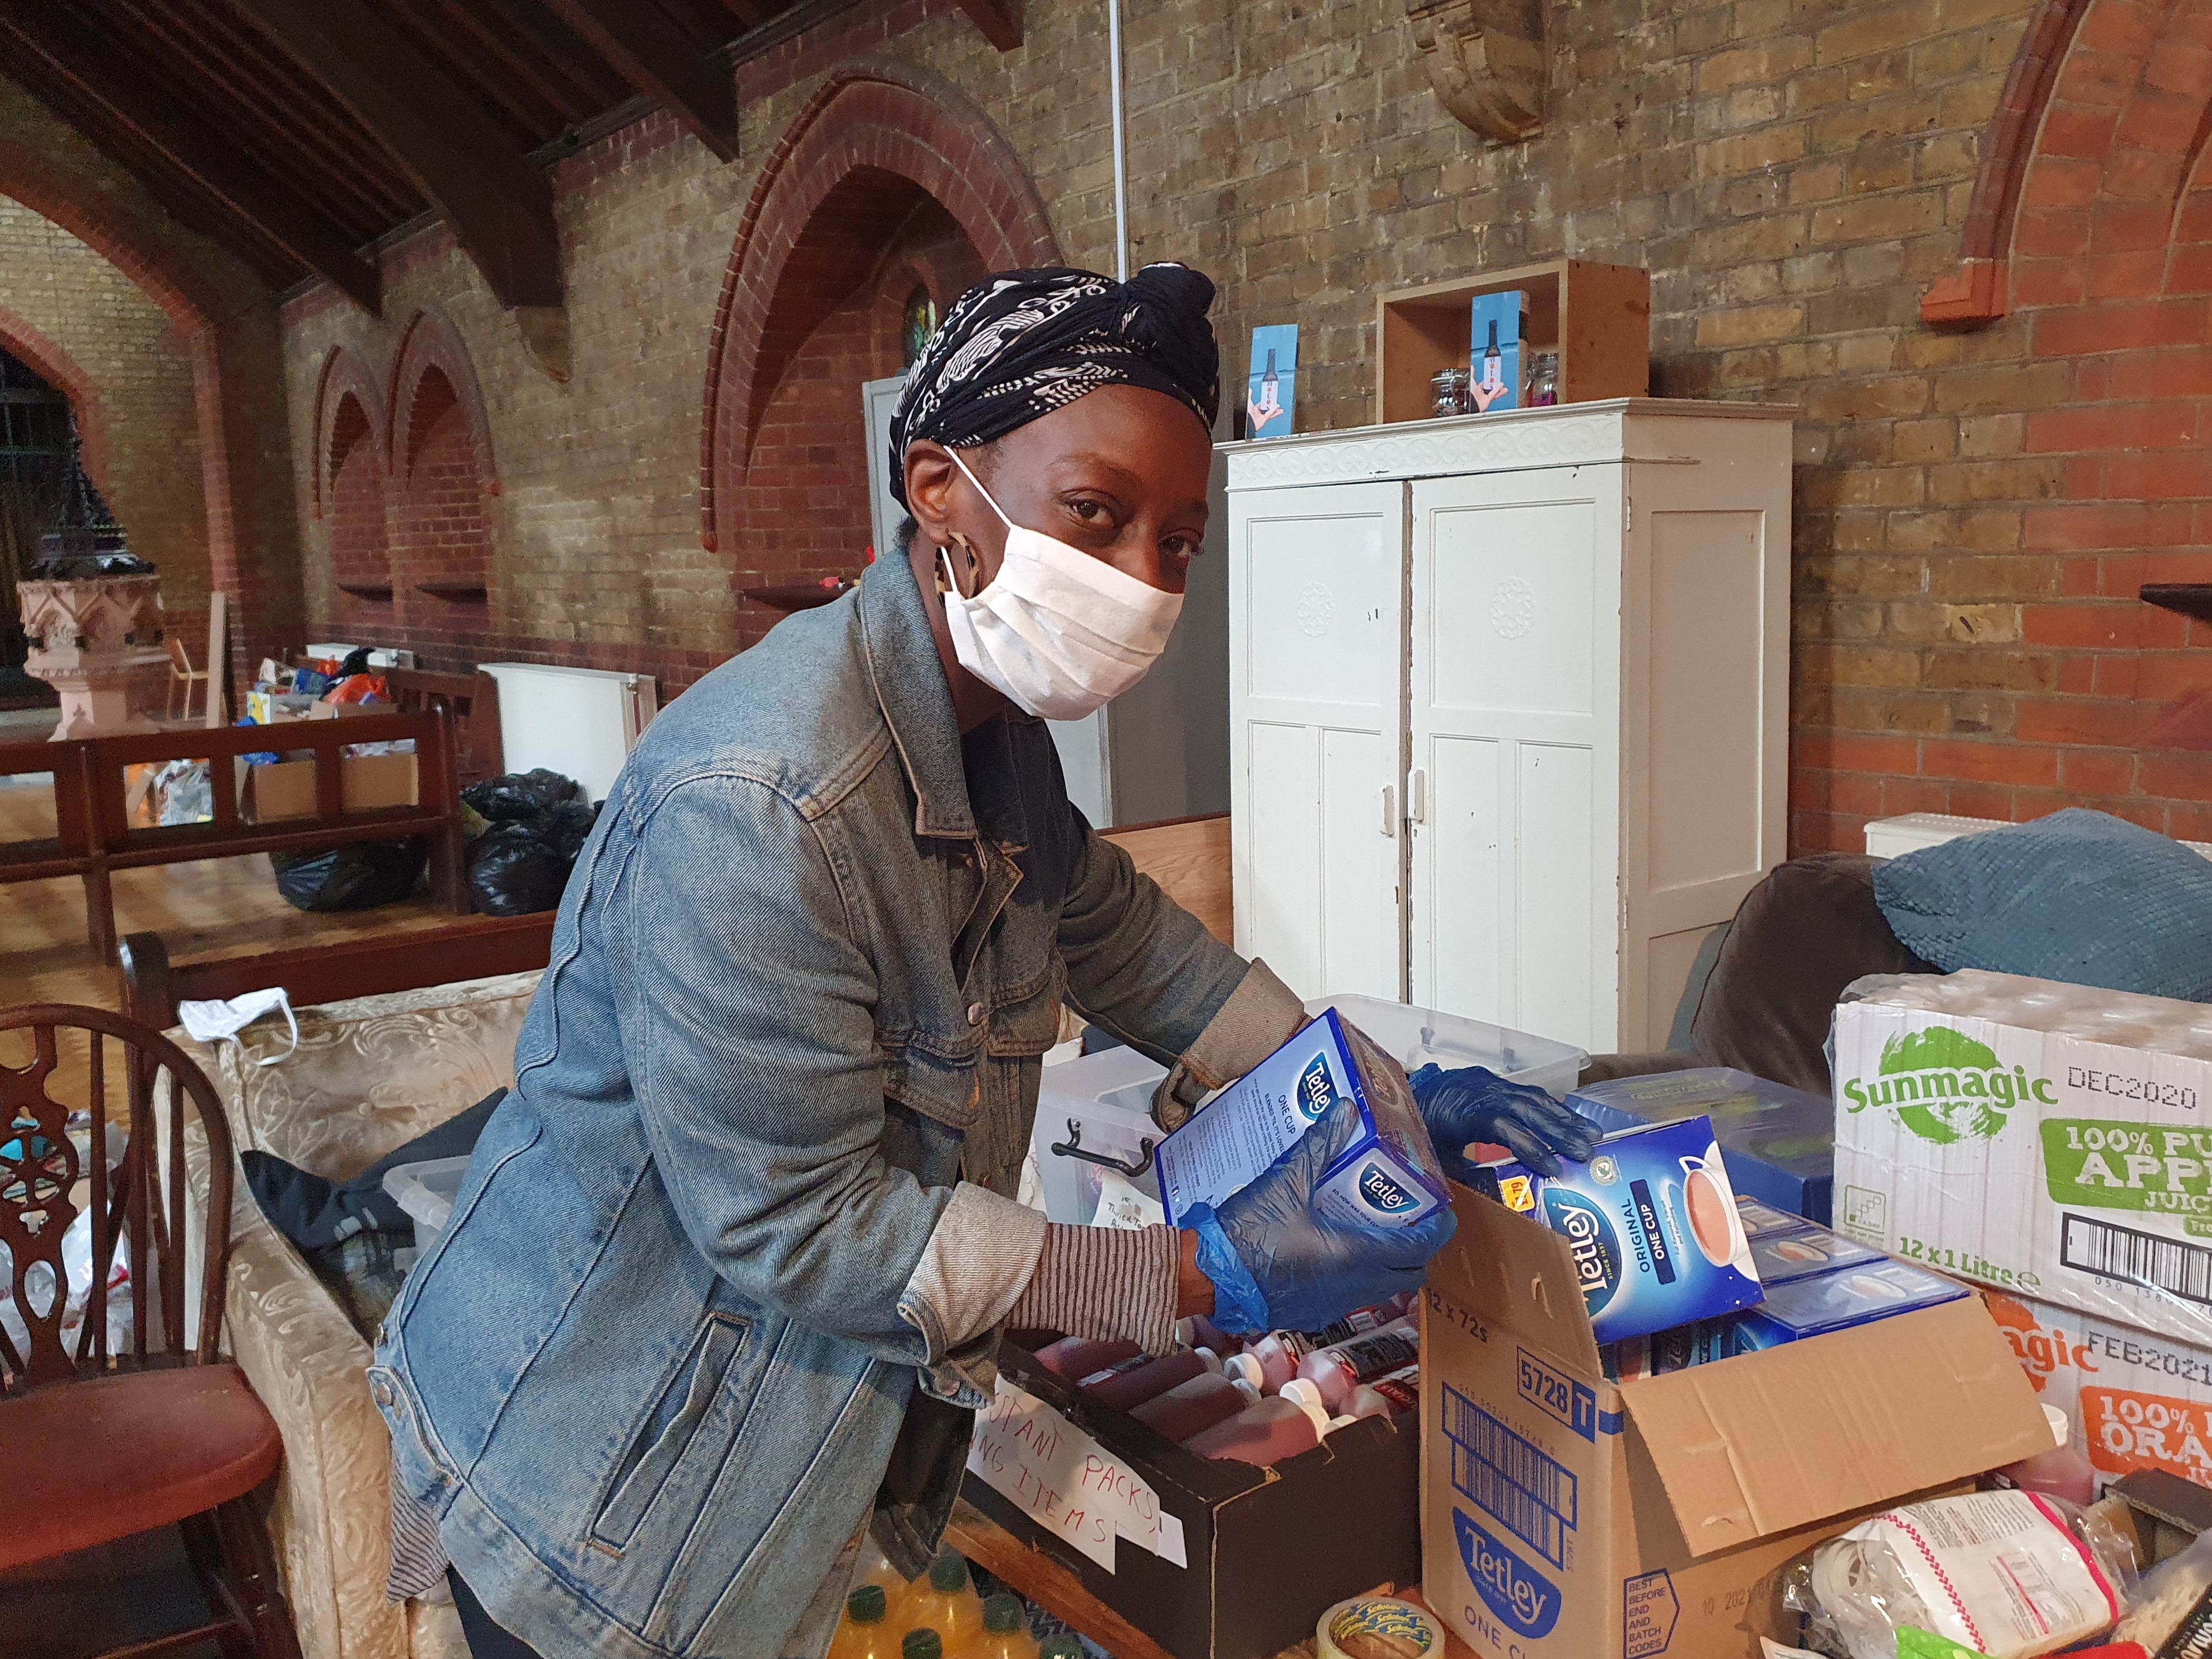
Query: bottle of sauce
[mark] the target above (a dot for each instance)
(1134, 1382)
(1336, 1371)
(1076, 1357)
(1005, 1629)
(1193, 1407)
(2064, 1471)
(945, 1603)
(1264, 1434)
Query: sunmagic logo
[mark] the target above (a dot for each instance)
(1317, 1088)
(1946, 1087)
(1383, 1192)
(1509, 1586)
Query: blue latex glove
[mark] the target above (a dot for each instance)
(1473, 1104)
(1277, 1265)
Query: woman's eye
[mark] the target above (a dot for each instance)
(1088, 512)
(1182, 547)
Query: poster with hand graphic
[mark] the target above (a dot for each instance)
(1494, 357)
(1271, 389)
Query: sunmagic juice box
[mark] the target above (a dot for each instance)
(1385, 1174)
(1654, 1229)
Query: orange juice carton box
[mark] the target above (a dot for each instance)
(1652, 1225)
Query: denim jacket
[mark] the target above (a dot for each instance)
(648, 1379)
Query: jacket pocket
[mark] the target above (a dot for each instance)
(664, 1430)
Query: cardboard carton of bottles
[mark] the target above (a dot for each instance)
(2050, 1141)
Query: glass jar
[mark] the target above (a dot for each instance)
(1544, 380)
(1443, 390)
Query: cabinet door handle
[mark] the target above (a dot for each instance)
(1389, 824)
(1417, 794)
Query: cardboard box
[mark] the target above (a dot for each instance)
(286, 789)
(2135, 1401)
(1567, 1517)
(1269, 1550)
(1779, 1143)
(2047, 1140)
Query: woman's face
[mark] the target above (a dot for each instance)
(1121, 474)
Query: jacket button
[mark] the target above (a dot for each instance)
(974, 1014)
(380, 1390)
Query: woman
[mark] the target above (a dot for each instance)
(726, 1271)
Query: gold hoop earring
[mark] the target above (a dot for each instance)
(974, 565)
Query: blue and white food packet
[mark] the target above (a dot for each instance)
(1386, 1174)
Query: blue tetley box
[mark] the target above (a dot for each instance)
(1655, 1232)
(1779, 1142)
(1385, 1176)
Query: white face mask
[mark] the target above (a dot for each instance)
(1058, 633)
(211, 1022)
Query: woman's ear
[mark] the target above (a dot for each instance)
(929, 475)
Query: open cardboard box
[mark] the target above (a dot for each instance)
(1270, 1550)
(286, 789)
(1565, 1517)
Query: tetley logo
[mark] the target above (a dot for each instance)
(1317, 1088)
(1383, 1192)
(1946, 1087)
(1591, 1242)
(1509, 1586)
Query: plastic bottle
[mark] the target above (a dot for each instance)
(945, 1602)
(865, 1632)
(1264, 1434)
(1005, 1629)
(1386, 1396)
(2064, 1471)
(1194, 1406)
(1074, 1357)
(875, 1568)
(1132, 1385)
(923, 1644)
(1337, 1370)
(1197, 1331)
(1271, 1361)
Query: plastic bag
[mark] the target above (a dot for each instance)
(567, 825)
(2008, 1574)
(515, 870)
(2172, 1609)
(521, 794)
(76, 1265)
(359, 876)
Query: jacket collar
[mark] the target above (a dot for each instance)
(909, 678)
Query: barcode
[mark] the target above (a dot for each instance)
(1513, 1459)
(1522, 1516)
(2136, 1258)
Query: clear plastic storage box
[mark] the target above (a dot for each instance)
(425, 1191)
(1101, 1103)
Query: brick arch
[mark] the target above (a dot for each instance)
(59, 370)
(875, 128)
(432, 344)
(2103, 272)
(344, 376)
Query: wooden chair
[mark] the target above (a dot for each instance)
(183, 674)
(102, 1444)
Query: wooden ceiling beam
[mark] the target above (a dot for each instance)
(661, 60)
(999, 21)
(498, 207)
(746, 12)
(64, 48)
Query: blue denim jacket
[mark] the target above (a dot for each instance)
(648, 1379)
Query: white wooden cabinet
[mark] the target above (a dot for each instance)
(1509, 705)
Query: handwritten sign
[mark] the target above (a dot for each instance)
(1067, 1482)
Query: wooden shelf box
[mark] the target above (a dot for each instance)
(1597, 318)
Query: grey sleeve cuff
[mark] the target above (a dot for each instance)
(1261, 1015)
(1100, 1283)
(980, 1256)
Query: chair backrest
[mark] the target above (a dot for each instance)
(179, 659)
(141, 1202)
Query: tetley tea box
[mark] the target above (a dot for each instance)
(2051, 1140)
(1652, 1226)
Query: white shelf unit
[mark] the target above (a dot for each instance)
(1509, 705)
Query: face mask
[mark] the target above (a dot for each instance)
(211, 1022)
(1058, 633)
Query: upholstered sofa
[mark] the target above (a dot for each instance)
(368, 1076)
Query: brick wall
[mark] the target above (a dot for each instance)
(81, 321)
(1794, 173)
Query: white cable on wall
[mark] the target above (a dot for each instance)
(1121, 144)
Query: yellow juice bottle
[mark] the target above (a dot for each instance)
(875, 1568)
(1005, 1629)
(945, 1602)
(865, 1632)
(921, 1642)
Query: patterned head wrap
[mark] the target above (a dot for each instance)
(1024, 342)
